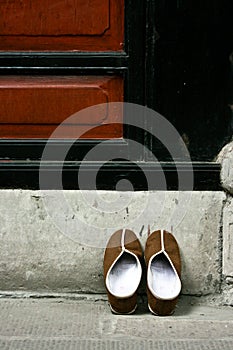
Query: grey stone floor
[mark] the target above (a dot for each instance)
(87, 323)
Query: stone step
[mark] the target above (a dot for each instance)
(87, 323)
(54, 241)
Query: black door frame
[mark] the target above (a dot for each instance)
(20, 159)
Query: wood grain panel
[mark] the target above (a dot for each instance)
(32, 107)
(105, 131)
(43, 17)
(39, 25)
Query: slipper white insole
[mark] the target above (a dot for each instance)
(124, 276)
(165, 282)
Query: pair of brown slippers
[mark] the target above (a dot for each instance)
(123, 271)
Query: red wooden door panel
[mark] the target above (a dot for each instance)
(32, 107)
(83, 25)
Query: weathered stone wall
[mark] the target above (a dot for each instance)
(226, 159)
(64, 253)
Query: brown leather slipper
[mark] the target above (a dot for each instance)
(123, 271)
(162, 257)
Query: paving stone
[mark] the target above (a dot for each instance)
(71, 324)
